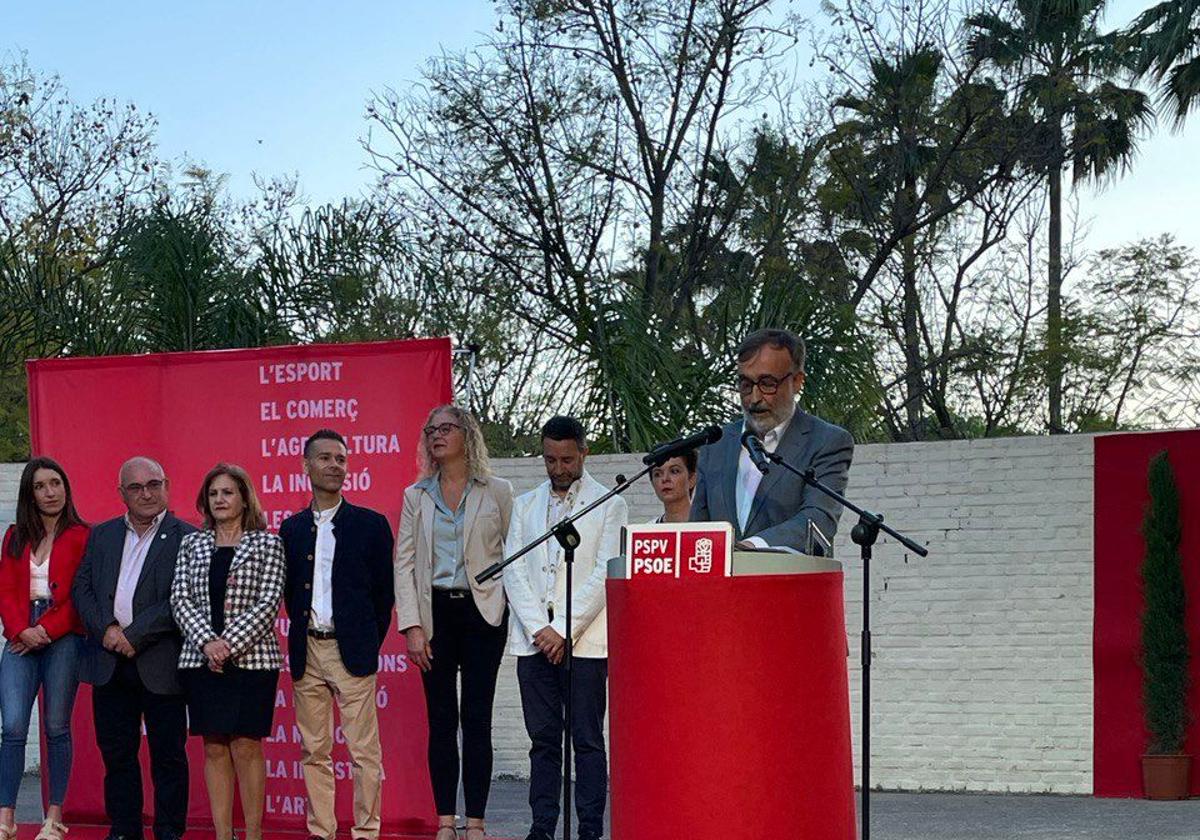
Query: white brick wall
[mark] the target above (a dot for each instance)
(982, 677)
(982, 674)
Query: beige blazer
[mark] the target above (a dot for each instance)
(489, 507)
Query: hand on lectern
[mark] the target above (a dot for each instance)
(550, 643)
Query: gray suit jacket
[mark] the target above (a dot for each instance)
(783, 505)
(153, 632)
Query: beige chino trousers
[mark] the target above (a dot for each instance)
(326, 680)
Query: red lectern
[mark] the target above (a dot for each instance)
(730, 706)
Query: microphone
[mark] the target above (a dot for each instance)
(758, 455)
(664, 452)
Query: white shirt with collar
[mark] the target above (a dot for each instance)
(133, 559)
(749, 476)
(322, 591)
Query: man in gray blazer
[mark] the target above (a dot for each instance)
(773, 509)
(131, 655)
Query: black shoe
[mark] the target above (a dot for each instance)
(534, 834)
(168, 835)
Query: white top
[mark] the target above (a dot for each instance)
(749, 477)
(39, 578)
(133, 558)
(536, 582)
(322, 591)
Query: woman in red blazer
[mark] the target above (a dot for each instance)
(38, 560)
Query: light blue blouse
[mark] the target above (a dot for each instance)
(449, 564)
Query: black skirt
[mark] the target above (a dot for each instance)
(239, 702)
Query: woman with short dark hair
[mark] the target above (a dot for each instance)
(673, 482)
(40, 554)
(225, 597)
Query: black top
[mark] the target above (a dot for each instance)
(218, 578)
(363, 585)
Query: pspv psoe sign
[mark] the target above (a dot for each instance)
(679, 550)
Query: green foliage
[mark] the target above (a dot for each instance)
(14, 417)
(1164, 618)
(1166, 40)
(582, 197)
(1066, 69)
(182, 287)
(1132, 358)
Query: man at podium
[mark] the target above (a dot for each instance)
(776, 509)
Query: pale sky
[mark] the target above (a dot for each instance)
(278, 88)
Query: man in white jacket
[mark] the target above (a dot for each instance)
(536, 589)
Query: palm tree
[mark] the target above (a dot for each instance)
(890, 133)
(1167, 39)
(1065, 69)
(917, 142)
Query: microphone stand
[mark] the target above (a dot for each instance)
(568, 537)
(863, 534)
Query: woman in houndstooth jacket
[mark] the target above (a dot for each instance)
(225, 597)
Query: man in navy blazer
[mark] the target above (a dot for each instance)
(775, 509)
(122, 592)
(339, 596)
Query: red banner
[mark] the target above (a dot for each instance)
(1121, 496)
(254, 408)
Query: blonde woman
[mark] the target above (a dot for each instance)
(453, 525)
(225, 596)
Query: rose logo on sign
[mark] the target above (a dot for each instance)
(702, 560)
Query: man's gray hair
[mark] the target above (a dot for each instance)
(140, 461)
(770, 336)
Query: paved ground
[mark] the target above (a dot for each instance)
(918, 816)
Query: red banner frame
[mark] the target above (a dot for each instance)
(253, 407)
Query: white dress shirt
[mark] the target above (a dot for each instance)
(749, 477)
(133, 558)
(322, 591)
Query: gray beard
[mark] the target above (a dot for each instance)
(755, 422)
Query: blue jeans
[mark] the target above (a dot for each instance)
(55, 669)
